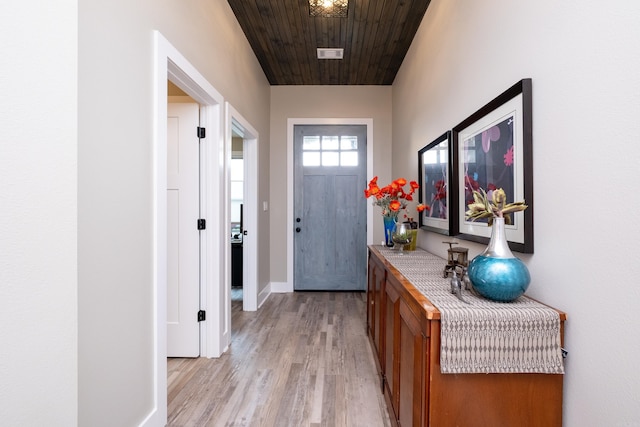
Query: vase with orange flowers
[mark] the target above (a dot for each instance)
(392, 199)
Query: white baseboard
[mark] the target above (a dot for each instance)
(263, 295)
(153, 419)
(281, 287)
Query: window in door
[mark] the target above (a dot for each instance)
(331, 150)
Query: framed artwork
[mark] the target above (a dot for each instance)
(493, 149)
(434, 177)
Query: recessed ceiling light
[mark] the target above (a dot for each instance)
(330, 53)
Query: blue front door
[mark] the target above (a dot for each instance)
(329, 207)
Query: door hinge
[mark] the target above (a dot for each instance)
(202, 224)
(201, 132)
(202, 315)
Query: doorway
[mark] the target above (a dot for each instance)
(330, 214)
(246, 139)
(169, 64)
(291, 123)
(183, 236)
(237, 217)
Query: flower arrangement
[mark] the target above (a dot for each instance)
(393, 197)
(492, 205)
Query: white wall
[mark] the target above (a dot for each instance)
(75, 218)
(115, 188)
(583, 59)
(208, 34)
(320, 102)
(38, 265)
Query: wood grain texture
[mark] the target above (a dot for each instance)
(303, 359)
(375, 37)
(416, 391)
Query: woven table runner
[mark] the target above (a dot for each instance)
(522, 336)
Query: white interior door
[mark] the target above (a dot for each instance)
(183, 240)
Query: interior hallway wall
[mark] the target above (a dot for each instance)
(115, 188)
(38, 213)
(583, 61)
(320, 102)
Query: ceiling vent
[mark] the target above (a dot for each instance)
(330, 53)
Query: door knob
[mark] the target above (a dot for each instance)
(297, 229)
(297, 219)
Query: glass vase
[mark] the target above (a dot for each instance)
(414, 236)
(496, 273)
(401, 235)
(389, 224)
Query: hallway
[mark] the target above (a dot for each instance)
(302, 360)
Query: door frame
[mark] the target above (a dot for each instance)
(291, 122)
(170, 64)
(234, 121)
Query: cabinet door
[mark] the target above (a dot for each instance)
(411, 346)
(371, 286)
(375, 303)
(392, 332)
(379, 314)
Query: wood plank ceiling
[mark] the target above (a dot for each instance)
(375, 36)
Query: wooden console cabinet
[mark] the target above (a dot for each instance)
(404, 329)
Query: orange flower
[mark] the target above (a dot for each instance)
(413, 187)
(421, 207)
(373, 189)
(393, 197)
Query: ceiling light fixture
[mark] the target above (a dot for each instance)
(328, 8)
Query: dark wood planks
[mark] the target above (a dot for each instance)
(375, 36)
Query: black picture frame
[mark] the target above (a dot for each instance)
(493, 147)
(435, 174)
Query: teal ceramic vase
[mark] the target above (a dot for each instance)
(389, 225)
(496, 273)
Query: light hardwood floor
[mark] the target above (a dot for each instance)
(303, 359)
